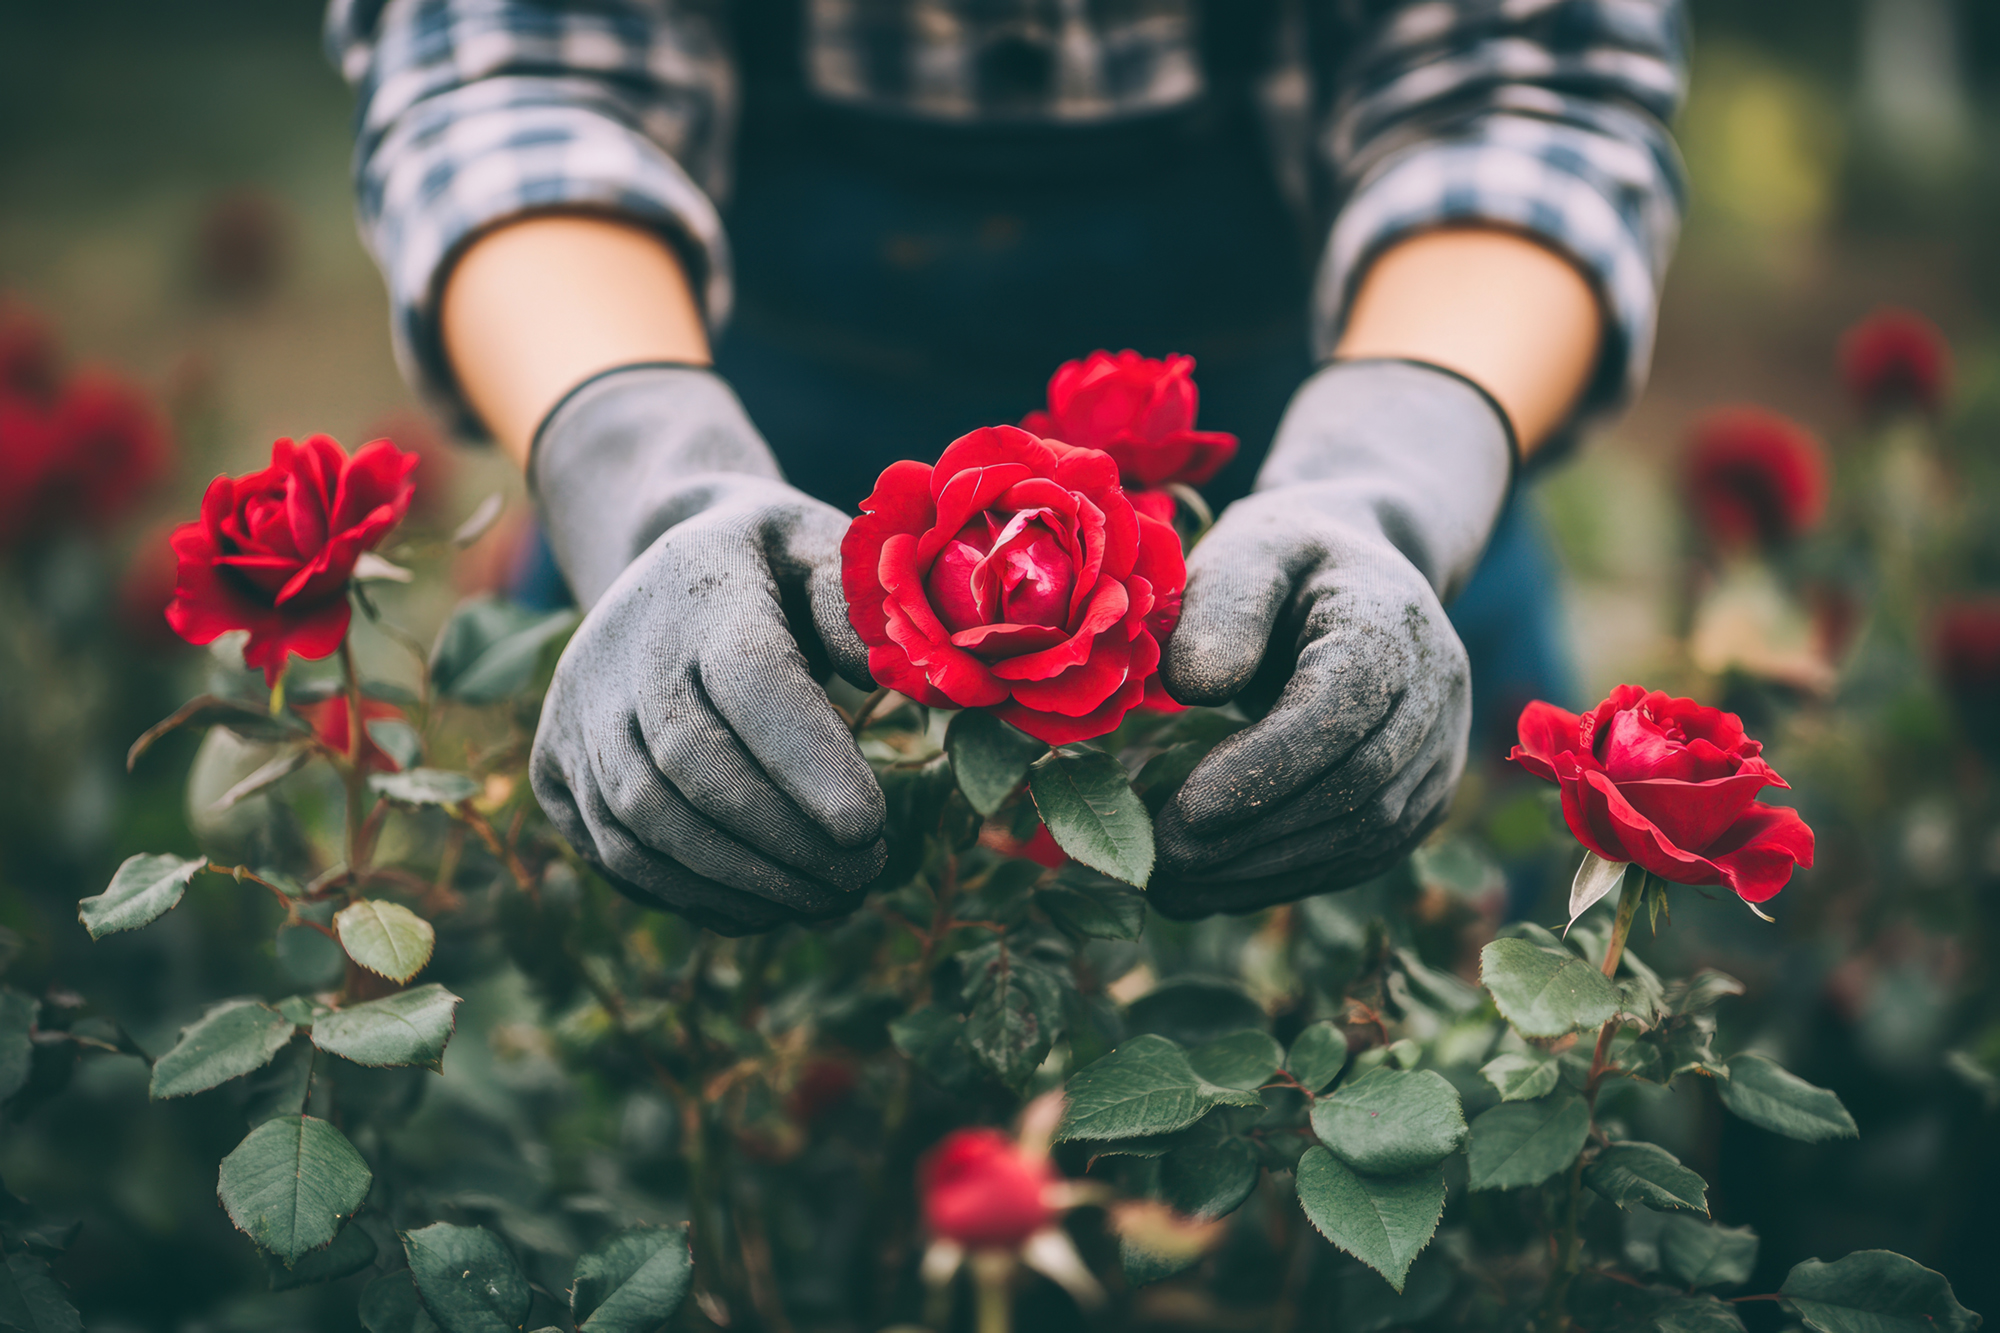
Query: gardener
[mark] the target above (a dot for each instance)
(1410, 244)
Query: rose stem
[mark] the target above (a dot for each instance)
(1555, 1311)
(352, 775)
(991, 1274)
(867, 710)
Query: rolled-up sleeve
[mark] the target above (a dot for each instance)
(475, 111)
(1546, 116)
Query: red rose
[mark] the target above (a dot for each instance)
(328, 720)
(1141, 412)
(1895, 359)
(1014, 575)
(273, 551)
(110, 447)
(983, 1191)
(1670, 784)
(1755, 477)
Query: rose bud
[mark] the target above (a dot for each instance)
(1755, 478)
(1016, 576)
(982, 1191)
(273, 551)
(1670, 784)
(1140, 411)
(328, 719)
(1895, 360)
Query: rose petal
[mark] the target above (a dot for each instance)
(1693, 814)
(1105, 609)
(1756, 856)
(995, 642)
(987, 447)
(1080, 689)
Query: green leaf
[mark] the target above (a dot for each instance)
(1603, 1304)
(281, 1087)
(631, 1282)
(1391, 1121)
(1522, 1076)
(232, 1039)
(1317, 1056)
(408, 1028)
(1384, 1221)
(1700, 993)
(1084, 904)
(249, 721)
(1086, 800)
(390, 1304)
(31, 1301)
(468, 1279)
(1195, 1010)
(290, 1184)
(425, 786)
(1145, 1086)
(1545, 992)
(1635, 1175)
(1700, 1254)
(1016, 1016)
(267, 774)
(1242, 1060)
(1771, 1097)
(18, 1014)
(1874, 1291)
(491, 649)
(386, 938)
(933, 1038)
(989, 758)
(145, 888)
(352, 1250)
(1209, 1180)
(1524, 1143)
(308, 958)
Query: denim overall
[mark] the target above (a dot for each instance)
(901, 283)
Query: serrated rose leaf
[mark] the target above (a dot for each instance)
(1384, 1221)
(1543, 991)
(1391, 1121)
(1771, 1097)
(468, 1279)
(234, 1038)
(386, 938)
(410, 1027)
(1092, 812)
(1524, 1143)
(1874, 1291)
(145, 888)
(1634, 1175)
(291, 1183)
(1146, 1086)
(631, 1282)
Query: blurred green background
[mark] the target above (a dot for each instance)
(1841, 154)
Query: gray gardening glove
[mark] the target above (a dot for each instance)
(686, 745)
(1324, 592)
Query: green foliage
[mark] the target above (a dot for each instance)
(17, 1022)
(467, 1278)
(1093, 813)
(425, 786)
(386, 938)
(410, 1027)
(390, 1304)
(1094, 907)
(1391, 1122)
(144, 889)
(1144, 1087)
(1522, 1076)
(1015, 1012)
(989, 758)
(291, 1183)
(1524, 1143)
(631, 1282)
(230, 1040)
(491, 650)
(30, 1299)
(1773, 1098)
(1635, 1175)
(1701, 1254)
(1317, 1056)
(1242, 1060)
(1545, 991)
(1384, 1221)
(1209, 1179)
(351, 1251)
(1874, 1291)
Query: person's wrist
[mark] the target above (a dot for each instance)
(631, 377)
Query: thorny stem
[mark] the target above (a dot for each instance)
(1555, 1305)
(505, 852)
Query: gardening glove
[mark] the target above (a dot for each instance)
(686, 745)
(1324, 591)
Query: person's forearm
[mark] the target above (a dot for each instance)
(1507, 312)
(535, 307)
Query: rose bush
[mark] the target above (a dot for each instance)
(273, 551)
(1670, 785)
(1014, 575)
(1754, 477)
(1141, 411)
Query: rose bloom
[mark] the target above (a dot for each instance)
(110, 448)
(1015, 575)
(1895, 359)
(981, 1190)
(273, 551)
(1670, 784)
(329, 717)
(1754, 477)
(1140, 411)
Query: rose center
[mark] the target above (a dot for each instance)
(1003, 569)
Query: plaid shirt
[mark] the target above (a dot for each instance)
(1544, 115)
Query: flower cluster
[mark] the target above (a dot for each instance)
(80, 449)
(274, 550)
